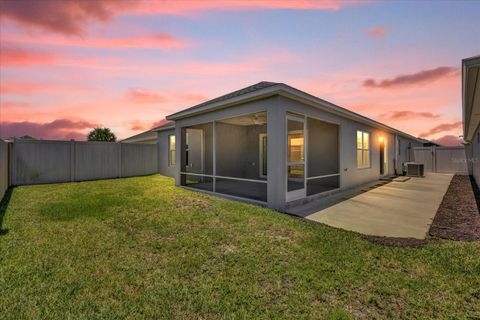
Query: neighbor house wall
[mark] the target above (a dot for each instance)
(163, 153)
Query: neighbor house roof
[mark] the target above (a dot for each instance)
(470, 96)
(266, 89)
(149, 135)
(167, 126)
(144, 137)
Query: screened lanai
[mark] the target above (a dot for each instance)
(228, 156)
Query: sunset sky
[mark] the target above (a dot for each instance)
(68, 66)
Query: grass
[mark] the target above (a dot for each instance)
(143, 248)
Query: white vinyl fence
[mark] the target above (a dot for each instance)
(44, 161)
(442, 159)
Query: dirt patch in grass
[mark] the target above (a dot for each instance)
(457, 217)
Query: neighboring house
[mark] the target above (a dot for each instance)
(149, 137)
(428, 143)
(275, 145)
(471, 113)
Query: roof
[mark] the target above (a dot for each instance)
(167, 126)
(142, 137)
(249, 89)
(266, 89)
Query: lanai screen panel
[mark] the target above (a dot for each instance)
(241, 156)
(323, 172)
(197, 157)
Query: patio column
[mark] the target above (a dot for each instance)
(276, 158)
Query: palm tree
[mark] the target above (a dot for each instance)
(101, 134)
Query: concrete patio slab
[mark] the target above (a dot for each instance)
(397, 209)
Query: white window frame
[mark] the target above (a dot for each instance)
(170, 164)
(363, 149)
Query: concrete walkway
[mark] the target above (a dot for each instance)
(397, 209)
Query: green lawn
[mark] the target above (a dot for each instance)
(143, 248)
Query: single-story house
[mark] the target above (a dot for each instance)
(471, 113)
(275, 145)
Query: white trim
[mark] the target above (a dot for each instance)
(222, 177)
(324, 176)
(369, 150)
(260, 153)
(170, 164)
(228, 196)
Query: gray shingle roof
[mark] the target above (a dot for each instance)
(252, 88)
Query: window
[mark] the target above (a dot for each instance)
(171, 150)
(363, 149)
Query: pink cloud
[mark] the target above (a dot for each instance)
(142, 96)
(448, 140)
(145, 97)
(14, 56)
(26, 88)
(137, 125)
(23, 87)
(60, 129)
(411, 79)
(71, 17)
(160, 41)
(442, 128)
(13, 105)
(189, 7)
(378, 32)
(407, 115)
(67, 17)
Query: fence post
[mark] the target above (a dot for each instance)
(434, 159)
(72, 160)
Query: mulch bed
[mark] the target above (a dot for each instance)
(458, 216)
